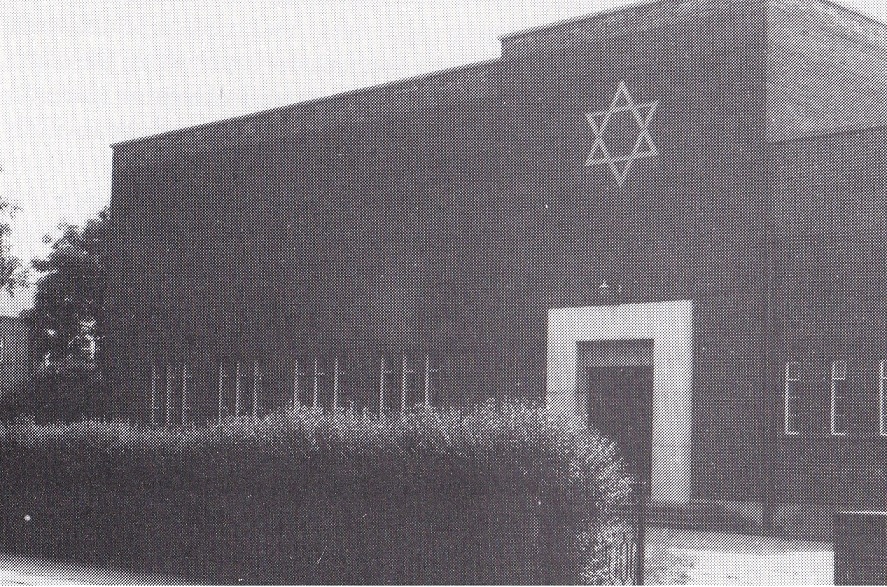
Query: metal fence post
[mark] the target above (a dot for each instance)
(641, 487)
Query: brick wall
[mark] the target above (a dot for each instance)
(417, 219)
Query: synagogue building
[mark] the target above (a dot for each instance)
(668, 221)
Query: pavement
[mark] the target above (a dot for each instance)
(20, 570)
(674, 556)
(725, 558)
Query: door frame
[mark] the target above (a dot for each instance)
(670, 326)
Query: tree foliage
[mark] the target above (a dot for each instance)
(12, 274)
(69, 293)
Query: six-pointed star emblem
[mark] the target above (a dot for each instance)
(644, 146)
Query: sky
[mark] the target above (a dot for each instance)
(77, 76)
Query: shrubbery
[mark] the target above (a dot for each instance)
(492, 494)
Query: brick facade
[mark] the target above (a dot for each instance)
(445, 215)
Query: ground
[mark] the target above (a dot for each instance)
(673, 556)
(722, 558)
(20, 570)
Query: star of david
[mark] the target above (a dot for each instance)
(620, 163)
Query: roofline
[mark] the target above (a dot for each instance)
(304, 103)
(859, 13)
(639, 3)
(502, 38)
(574, 19)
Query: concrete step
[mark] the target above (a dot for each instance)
(701, 515)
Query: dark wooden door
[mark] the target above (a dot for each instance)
(620, 405)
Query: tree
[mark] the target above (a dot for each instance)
(12, 275)
(69, 294)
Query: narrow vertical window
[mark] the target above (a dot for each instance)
(792, 397)
(882, 379)
(839, 398)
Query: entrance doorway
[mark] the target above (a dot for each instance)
(617, 380)
(657, 335)
(620, 405)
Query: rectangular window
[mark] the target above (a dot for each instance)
(882, 381)
(792, 397)
(839, 398)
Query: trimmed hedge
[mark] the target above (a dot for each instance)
(499, 493)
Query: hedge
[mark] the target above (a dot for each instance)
(498, 493)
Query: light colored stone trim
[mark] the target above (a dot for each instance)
(670, 326)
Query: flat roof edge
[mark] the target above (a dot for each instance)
(304, 103)
(572, 20)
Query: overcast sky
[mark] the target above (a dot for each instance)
(76, 76)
